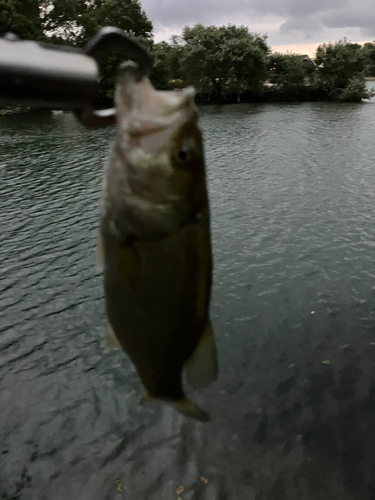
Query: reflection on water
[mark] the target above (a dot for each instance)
(292, 190)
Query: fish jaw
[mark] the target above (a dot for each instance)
(148, 190)
(146, 118)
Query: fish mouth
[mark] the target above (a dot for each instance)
(149, 117)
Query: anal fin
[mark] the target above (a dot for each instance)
(202, 367)
(111, 338)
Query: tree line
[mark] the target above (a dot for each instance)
(223, 63)
(228, 63)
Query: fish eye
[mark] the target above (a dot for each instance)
(184, 156)
(185, 152)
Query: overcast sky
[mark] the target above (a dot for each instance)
(287, 22)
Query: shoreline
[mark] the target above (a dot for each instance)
(21, 110)
(303, 94)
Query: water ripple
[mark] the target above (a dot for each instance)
(292, 191)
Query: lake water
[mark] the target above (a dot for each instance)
(292, 192)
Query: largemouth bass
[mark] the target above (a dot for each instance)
(154, 242)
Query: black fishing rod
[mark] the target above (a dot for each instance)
(58, 77)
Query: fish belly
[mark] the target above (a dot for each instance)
(157, 298)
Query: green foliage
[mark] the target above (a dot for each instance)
(78, 20)
(338, 63)
(62, 20)
(223, 59)
(369, 51)
(355, 91)
(125, 14)
(166, 68)
(22, 18)
(289, 70)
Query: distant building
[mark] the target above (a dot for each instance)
(305, 58)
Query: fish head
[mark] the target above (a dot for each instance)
(159, 152)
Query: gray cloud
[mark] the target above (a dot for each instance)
(306, 26)
(287, 21)
(206, 11)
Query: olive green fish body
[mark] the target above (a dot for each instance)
(155, 242)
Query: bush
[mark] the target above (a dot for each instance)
(355, 91)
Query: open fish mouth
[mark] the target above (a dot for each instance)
(149, 117)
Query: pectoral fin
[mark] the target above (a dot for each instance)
(111, 339)
(202, 367)
(129, 264)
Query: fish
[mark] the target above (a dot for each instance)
(154, 243)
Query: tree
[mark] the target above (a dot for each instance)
(369, 51)
(78, 20)
(62, 20)
(21, 17)
(338, 63)
(166, 72)
(289, 70)
(223, 59)
(355, 91)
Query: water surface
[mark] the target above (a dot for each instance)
(292, 191)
